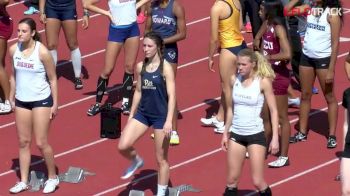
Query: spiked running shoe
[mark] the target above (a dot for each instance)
(174, 138)
(19, 187)
(136, 164)
(298, 137)
(212, 122)
(78, 84)
(332, 142)
(280, 162)
(125, 108)
(94, 109)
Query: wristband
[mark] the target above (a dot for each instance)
(86, 13)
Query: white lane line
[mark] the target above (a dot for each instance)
(218, 150)
(99, 141)
(95, 15)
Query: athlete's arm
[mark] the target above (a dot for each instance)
(90, 5)
(179, 12)
(214, 34)
(42, 4)
(229, 115)
(137, 94)
(347, 66)
(170, 87)
(266, 87)
(259, 35)
(12, 50)
(148, 24)
(50, 68)
(335, 23)
(291, 10)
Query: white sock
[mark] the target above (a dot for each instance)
(125, 100)
(54, 56)
(76, 61)
(161, 191)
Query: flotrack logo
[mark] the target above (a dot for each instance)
(317, 11)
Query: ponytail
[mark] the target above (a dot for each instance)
(36, 36)
(264, 68)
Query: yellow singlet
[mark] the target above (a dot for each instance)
(229, 31)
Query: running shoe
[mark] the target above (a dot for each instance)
(136, 164)
(125, 108)
(219, 130)
(332, 142)
(174, 138)
(94, 109)
(19, 187)
(51, 184)
(280, 162)
(298, 137)
(31, 10)
(141, 18)
(212, 122)
(294, 101)
(78, 84)
(5, 107)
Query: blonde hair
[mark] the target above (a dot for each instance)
(263, 67)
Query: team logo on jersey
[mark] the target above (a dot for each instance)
(172, 54)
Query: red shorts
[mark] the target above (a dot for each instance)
(281, 82)
(6, 28)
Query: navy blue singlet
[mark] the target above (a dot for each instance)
(154, 99)
(164, 22)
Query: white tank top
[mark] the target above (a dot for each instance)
(317, 41)
(247, 104)
(31, 81)
(123, 11)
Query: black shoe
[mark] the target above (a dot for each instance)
(94, 109)
(125, 108)
(298, 137)
(332, 142)
(231, 191)
(78, 84)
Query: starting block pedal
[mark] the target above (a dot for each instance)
(37, 180)
(136, 193)
(74, 175)
(172, 192)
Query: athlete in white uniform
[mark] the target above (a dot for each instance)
(244, 130)
(318, 59)
(35, 101)
(123, 32)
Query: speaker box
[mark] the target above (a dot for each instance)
(110, 122)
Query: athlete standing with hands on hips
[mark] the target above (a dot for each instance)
(123, 32)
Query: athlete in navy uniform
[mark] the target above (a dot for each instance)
(153, 105)
(62, 13)
(167, 19)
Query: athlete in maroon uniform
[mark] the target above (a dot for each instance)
(275, 46)
(5, 34)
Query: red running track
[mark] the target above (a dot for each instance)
(198, 159)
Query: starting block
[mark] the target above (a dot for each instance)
(74, 175)
(172, 192)
(37, 180)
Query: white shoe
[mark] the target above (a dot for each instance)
(219, 130)
(5, 107)
(280, 162)
(51, 184)
(294, 101)
(212, 122)
(19, 187)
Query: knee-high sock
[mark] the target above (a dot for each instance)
(101, 88)
(76, 61)
(128, 80)
(54, 56)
